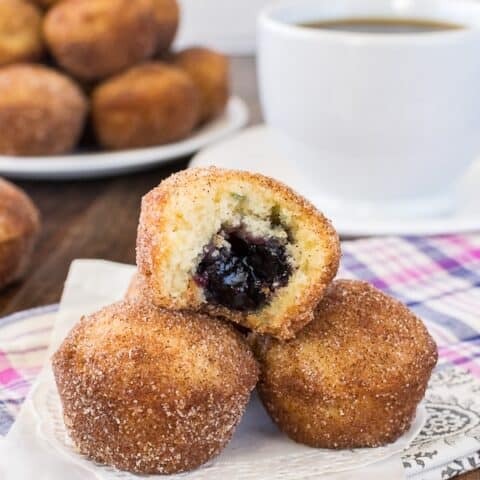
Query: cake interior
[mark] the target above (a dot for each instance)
(239, 245)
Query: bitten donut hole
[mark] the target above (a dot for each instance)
(238, 246)
(242, 271)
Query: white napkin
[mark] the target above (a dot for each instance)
(24, 455)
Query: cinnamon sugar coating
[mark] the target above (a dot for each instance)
(354, 376)
(19, 228)
(46, 3)
(138, 290)
(20, 32)
(184, 213)
(150, 391)
(150, 104)
(167, 17)
(210, 71)
(42, 112)
(93, 39)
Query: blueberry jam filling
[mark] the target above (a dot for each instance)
(243, 272)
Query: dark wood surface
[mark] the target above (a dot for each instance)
(98, 219)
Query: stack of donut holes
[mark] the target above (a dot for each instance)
(157, 383)
(100, 74)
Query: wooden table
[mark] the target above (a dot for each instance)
(98, 219)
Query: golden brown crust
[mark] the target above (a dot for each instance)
(152, 249)
(167, 16)
(96, 38)
(42, 112)
(354, 376)
(210, 72)
(148, 105)
(151, 391)
(20, 32)
(19, 227)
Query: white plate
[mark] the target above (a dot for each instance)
(258, 449)
(253, 150)
(103, 164)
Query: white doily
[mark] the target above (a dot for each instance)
(258, 449)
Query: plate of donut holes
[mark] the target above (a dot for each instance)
(235, 289)
(93, 87)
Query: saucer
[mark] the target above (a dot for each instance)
(253, 150)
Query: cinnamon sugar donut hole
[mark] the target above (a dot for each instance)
(20, 32)
(354, 376)
(42, 112)
(237, 245)
(151, 104)
(93, 39)
(151, 391)
(209, 70)
(19, 228)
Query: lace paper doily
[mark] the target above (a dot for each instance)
(258, 449)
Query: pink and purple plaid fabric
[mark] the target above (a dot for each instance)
(24, 339)
(437, 277)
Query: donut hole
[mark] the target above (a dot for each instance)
(206, 237)
(241, 271)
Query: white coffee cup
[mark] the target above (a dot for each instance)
(375, 121)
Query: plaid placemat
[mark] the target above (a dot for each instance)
(437, 277)
(24, 339)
